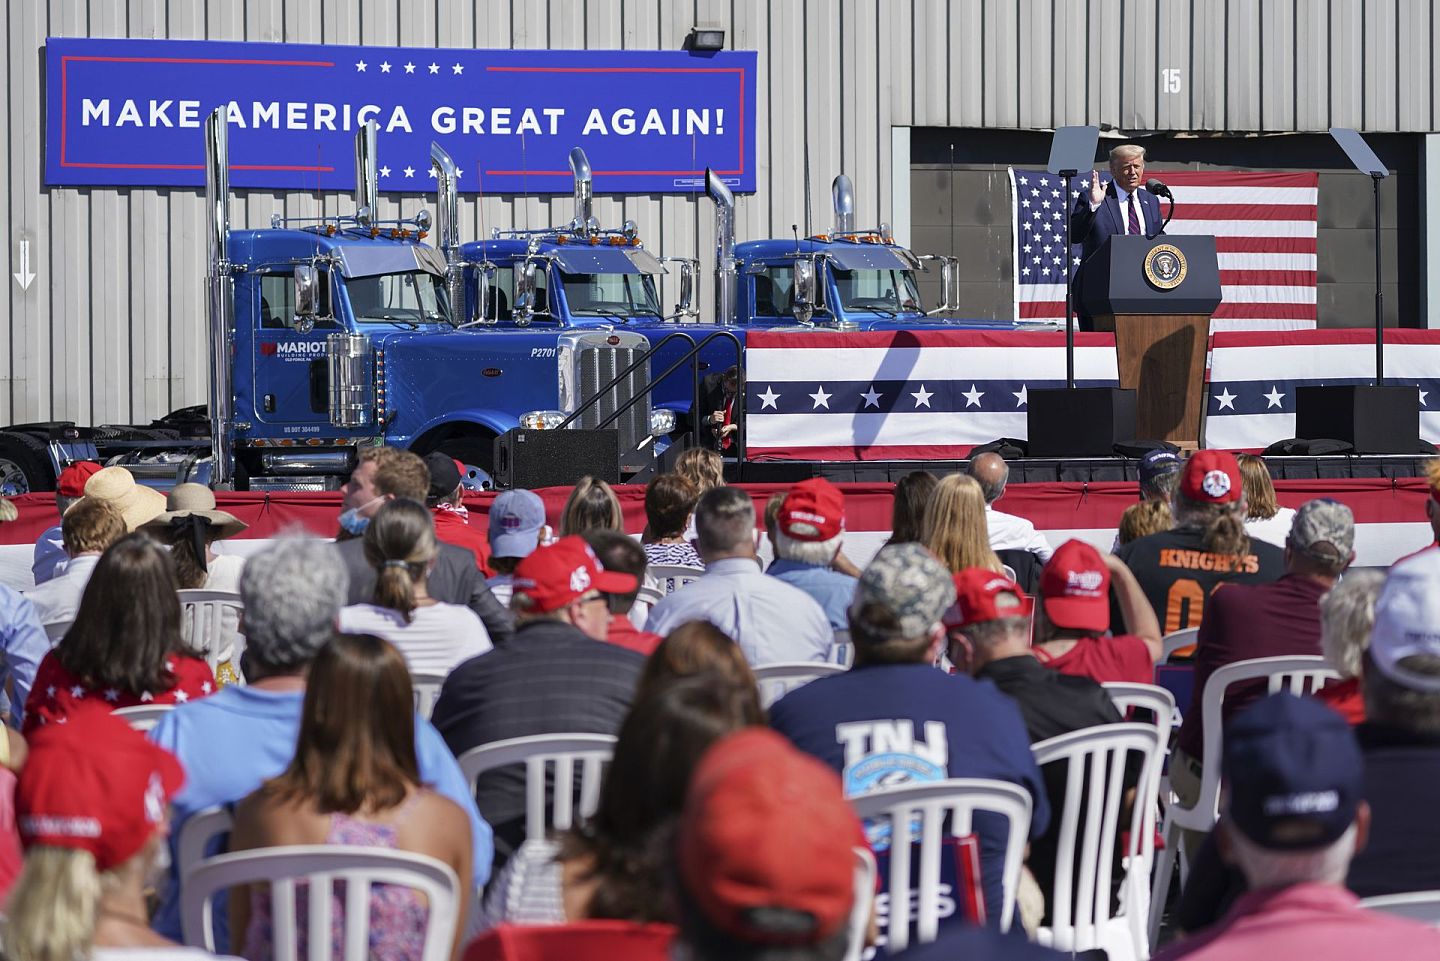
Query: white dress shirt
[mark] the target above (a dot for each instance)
(1011, 533)
(1123, 195)
(57, 600)
(772, 621)
(437, 639)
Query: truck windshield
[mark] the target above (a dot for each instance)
(890, 291)
(412, 297)
(608, 295)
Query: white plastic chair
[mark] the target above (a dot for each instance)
(669, 578)
(1080, 901)
(1174, 641)
(55, 631)
(1301, 674)
(648, 596)
(1422, 906)
(574, 755)
(202, 624)
(777, 680)
(864, 900)
(143, 717)
(961, 799)
(320, 867)
(426, 685)
(196, 833)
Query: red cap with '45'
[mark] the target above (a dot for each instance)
(551, 577)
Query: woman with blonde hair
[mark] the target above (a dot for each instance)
(1265, 519)
(955, 529)
(433, 636)
(702, 468)
(592, 505)
(1143, 519)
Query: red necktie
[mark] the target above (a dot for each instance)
(1134, 215)
(727, 439)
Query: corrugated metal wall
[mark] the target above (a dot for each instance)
(112, 329)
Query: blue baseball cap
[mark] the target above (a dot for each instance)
(515, 521)
(1293, 769)
(1158, 463)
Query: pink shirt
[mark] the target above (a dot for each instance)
(1317, 922)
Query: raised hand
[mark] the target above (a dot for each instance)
(1097, 190)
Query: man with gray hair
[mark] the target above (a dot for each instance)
(772, 621)
(235, 740)
(1007, 531)
(894, 718)
(1294, 818)
(808, 529)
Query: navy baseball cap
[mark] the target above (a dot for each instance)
(1158, 463)
(1293, 770)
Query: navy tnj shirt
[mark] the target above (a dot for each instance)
(891, 724)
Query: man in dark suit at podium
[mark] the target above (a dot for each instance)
(1123, 206)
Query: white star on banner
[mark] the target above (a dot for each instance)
(1422, 397)
(1022, 396)
(434, 68)
(821, 398)
(409, 171)
(769, 398)
(384, 171)
(360, 66)
(1274, 397)
(385, 67)
(872, 399)
(1226, 399)
(972, 396)
(922, 396)
(458, 69)
(409, 68)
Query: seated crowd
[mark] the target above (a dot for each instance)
(723, 826)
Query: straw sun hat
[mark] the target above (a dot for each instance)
(196, 500)
(116, 486)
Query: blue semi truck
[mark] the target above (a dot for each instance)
(339, 332)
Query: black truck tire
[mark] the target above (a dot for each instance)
(24, 464)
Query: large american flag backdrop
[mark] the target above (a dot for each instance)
(1263, 224)
(1250, 397)
(903, 395)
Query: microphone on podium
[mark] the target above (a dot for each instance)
(1159, 189)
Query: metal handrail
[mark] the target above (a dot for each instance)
(685, 358)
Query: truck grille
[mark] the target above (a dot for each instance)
(598, 366)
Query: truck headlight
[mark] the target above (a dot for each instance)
(542, 419)
(662, 422)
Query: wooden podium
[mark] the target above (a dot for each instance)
(1157, 295)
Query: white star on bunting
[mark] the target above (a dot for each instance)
(458, 69)
(434, 68)
(769, 398)
(1274, 397)
(1022, 396)
(821, 398)
(872, 398)
(384, 171)
(972, 396)
(385, 67)
(1226, 399)
(409, 68)
(360, 66)
(409, 171)
(922, 396)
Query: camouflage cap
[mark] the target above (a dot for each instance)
(1324, 529)
(907, 581)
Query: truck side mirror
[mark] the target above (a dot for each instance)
(524, 309)
(804, 290)
(686, 305)
(949, 281)
(307, 295)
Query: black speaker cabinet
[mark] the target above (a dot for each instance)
(1374, 420)
(555, 458)
(1080, 422)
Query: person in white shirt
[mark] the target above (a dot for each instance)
(434, 637)
(770, 620)
(1265, 519)
(1007, 531)
(88, 529)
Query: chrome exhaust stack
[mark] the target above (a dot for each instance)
(221, 307)
(584, 222)
(726, 271)
(367, 181)
(447, 229)
(842, 192)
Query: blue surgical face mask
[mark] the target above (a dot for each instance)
(353, 522)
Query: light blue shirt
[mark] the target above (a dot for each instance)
(239, 737)
(23, 642)
(772, 621)
(832, 590)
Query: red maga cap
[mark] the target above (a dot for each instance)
(1212, 477)
(1075, 588)
(71, 482)
(94, 784)
(764, 843)
(814, 510)
(554, 575)
(978, 598)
